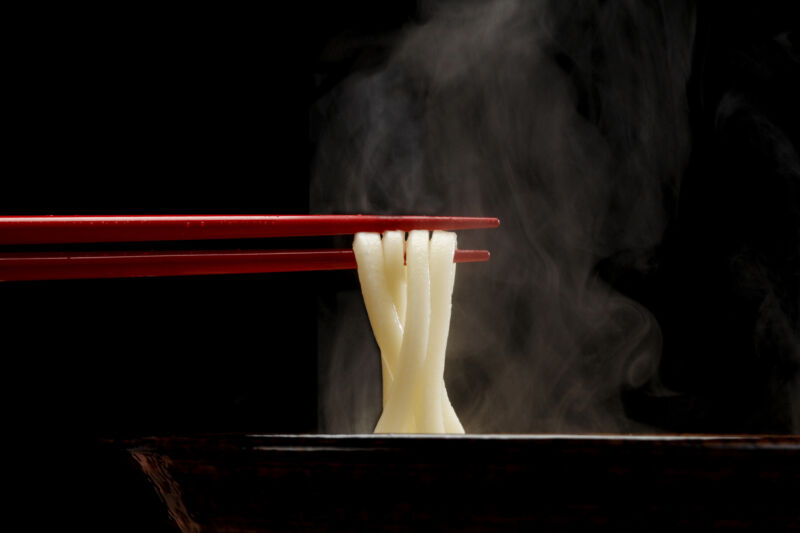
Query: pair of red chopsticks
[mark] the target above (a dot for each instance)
(37, 230)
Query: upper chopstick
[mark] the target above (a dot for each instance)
(85, 265)
(139, 228)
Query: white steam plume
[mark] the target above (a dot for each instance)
(566, 119)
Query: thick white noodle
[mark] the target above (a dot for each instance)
(381, 311)
(394, 260)
(442, 274)
(412, 353)
(401, 404)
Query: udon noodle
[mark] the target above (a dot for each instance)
(409, 309)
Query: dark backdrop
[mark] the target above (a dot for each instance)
(208, 111)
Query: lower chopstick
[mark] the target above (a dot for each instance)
(89, 265)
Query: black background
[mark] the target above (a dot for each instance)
(134, 110)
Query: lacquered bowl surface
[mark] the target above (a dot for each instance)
(473, 483)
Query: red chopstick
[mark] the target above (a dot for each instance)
(83, 265)
(139, 228)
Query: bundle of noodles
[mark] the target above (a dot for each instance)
(409, 310)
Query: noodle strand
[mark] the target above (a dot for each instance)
(409, 307)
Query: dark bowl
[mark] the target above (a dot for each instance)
(474, 482)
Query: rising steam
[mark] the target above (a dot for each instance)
(566, 119)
